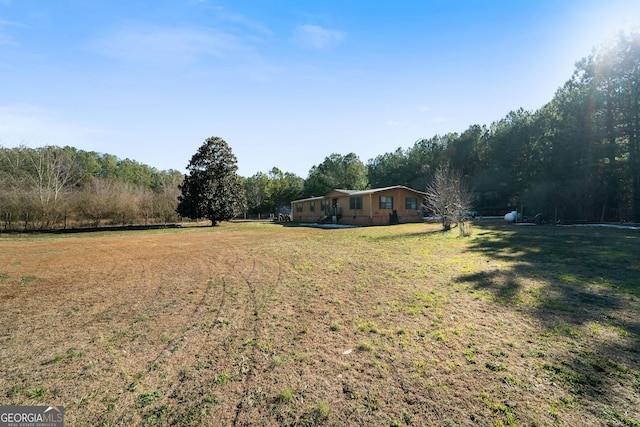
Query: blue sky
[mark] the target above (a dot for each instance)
(285, 83)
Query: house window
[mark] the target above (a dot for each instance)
(312, 206)
(324, 206)
(355, 203)
(298, 207)
(412, 203)
(386, 202)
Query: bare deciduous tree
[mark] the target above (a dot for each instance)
(52, 173)
(40, 178)
(50, 187)
(449, 198)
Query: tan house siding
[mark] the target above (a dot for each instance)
(307, 210)
(368, 207)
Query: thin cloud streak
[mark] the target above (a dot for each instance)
(6, 39)
(317, 37)
(165, 44)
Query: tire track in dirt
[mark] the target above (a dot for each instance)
(226, 284)
(238, 304)
(112, 333)
(205, 301)
(210, 291)
(206, 298)
(198, 329)
(205, 335)
(250, 393)
(255, 328)
(77, 314)
(233, 322)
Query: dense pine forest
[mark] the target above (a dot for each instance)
(576, 158)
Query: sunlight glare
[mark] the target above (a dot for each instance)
(601, 23)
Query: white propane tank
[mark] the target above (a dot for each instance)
(511, 216)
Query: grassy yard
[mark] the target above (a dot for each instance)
(259, 324)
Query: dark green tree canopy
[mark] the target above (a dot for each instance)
(266, 191)
(212, 189)
(337, 171)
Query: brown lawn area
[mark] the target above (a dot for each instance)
(259, 324)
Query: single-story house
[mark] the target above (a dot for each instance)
(378, 206)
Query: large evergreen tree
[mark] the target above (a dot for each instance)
(212, 189)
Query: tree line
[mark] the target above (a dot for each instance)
(63, 187)
(577, 157)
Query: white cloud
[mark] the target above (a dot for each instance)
(152, 43)
(317, 37)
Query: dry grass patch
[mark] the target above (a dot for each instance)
(258, 324)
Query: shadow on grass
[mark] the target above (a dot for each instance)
(575, 282)
(411, 235)
(585, 272)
